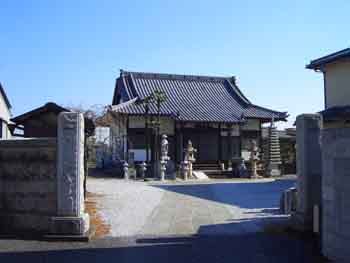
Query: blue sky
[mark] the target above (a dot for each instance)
(70, 52)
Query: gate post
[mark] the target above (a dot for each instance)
(71, 218)
(309, 169)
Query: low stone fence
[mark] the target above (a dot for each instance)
(28, 193)
(336, 192)
(41, 181)
(323, 190)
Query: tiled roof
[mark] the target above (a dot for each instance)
(318, 63)
(189, 98)
(48, 107)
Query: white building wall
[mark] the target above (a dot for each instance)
(5, 115)
(337, 82)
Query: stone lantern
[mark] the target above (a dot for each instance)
(254, 158)
(189, 158)
(164, 156)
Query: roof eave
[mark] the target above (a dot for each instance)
(317, 64)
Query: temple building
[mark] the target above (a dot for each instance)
(212, 112)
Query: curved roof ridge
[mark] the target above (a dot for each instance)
(124, 104)
(285, 113)
(238, 92)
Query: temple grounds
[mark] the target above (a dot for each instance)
(213, 221)
(214, 207)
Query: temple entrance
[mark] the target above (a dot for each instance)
(206, 141)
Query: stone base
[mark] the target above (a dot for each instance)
(86, 237)
(300, 223)
(255, 177)
(26, 223)
(69, 225)
(288, 201)
(274, 171)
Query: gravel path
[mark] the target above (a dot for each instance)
(215, 207)
(226, 216)
(125, 206)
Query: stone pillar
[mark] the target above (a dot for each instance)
(335, 219)
(185, 169)
(309, 169)
(70, 219)
(126, 170)
(143, 169)
(162, 170)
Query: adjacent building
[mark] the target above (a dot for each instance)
(335, 68)
(210, 111)
(327, 151)
(41, 122)
(5, 114)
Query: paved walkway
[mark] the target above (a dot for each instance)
(215, 207)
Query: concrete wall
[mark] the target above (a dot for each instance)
(337, 79)
(27, 183)
(336, 193)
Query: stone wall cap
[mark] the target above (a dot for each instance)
(25, 142)
(309, 115)
(336, 113)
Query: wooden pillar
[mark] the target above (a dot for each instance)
(260, 136)
(175, 143)
(219, 143)
(230, 148)
(181, 143)
(127, 140)
(147, 139)
(240, 140)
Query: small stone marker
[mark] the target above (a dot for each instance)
(143, 169)
(126, 170)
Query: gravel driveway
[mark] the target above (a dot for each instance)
(214, 207)
(155, 222)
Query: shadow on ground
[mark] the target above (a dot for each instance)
(245, 248)
(250, 195)
(106, 173)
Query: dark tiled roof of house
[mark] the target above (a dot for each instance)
(3, 93)
(48, 107)
(318, 63)
(189, 98)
